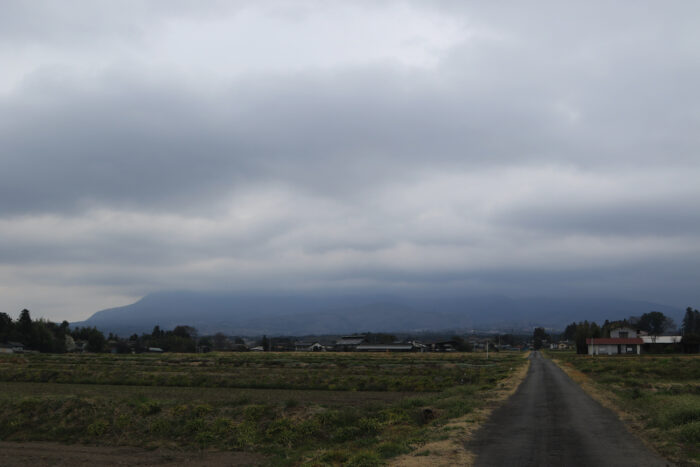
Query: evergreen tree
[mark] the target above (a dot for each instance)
(7, 327)
(539, 336)
(570, 332)
(653, 322)
(24, 326)
(691, 321)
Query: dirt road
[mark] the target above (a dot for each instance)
(551, 421)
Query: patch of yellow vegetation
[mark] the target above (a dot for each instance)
(452, 451)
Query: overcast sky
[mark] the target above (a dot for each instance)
(520, 148)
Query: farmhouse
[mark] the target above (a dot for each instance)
(309, 347)
(614, 345)
(445, 346)
(12, 347)
(662, 340)
(562, 345)
(348, 343)
(621, 341)
(629, 341)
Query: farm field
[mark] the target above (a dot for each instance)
(658, 395)
(293, 408)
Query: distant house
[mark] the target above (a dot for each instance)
(281, 345)
(623, 340)
(626, 332)
(662, 340)
(309, 347)
(419, 346)
(656, 344)
(348, 343)
(561, 345)
(155, 349)
(614, 345)
(12, 347)
(238, 348)
(386, 348)
(445, 346)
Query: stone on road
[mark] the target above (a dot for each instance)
(551, 421)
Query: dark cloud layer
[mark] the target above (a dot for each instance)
(498, 147)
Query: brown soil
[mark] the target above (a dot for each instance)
(39, 454)
(212, 395)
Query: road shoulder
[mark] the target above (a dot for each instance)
(632, 422)
(452, 451)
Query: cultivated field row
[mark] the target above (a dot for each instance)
(294, 408)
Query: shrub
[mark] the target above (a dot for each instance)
(256, 412)
(159, 426)
(335, 456)
(291, 403)
(149, 408)
(98, 428)
(281, 431)
(691, 432)
(389, 449)
(365, 459)
(346, 433)
(683, 415)
(369, 426)
(195, 425)
(245, 436)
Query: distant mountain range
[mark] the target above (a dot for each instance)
(277, 314)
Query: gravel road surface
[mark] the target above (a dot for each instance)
(551, 421)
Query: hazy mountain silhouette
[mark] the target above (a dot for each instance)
(276, 314)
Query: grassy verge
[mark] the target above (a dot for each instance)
(444, 446)
(297, 424)
(657, 396)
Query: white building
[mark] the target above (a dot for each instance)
(662, 339)
(627, 341)
(614, 345)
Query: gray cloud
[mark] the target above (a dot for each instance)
(482, 148)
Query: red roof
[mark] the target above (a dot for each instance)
(614, 340)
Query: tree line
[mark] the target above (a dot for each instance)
(47, 336)
(691, 329)
(42, 335)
